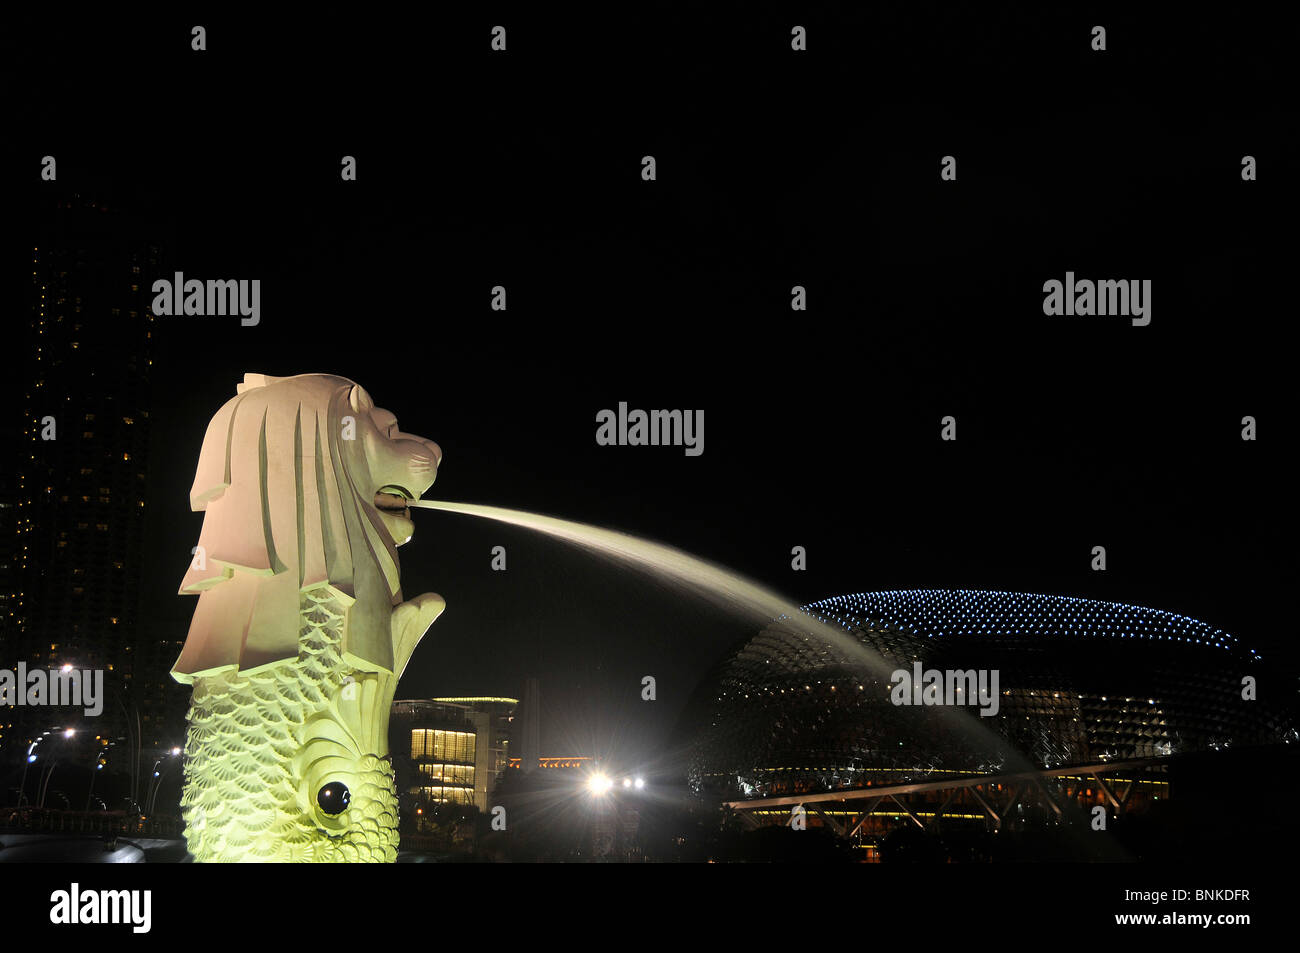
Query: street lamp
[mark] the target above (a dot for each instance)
(31, 757)
(45, 782)
(44, 786)
(96, 766)
(155, 783)
(133, 742)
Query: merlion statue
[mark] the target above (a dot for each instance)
(300, 633)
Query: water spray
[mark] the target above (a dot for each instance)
(723, 588)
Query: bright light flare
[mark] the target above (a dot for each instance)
(599, 784)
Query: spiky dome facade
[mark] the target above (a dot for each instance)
(1080, 681)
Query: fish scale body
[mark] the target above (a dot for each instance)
(247, 795)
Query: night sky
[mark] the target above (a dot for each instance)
(774, 169)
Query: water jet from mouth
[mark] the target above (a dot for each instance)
(732, 592)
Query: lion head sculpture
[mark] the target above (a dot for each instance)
(303, 482)
(300, 632)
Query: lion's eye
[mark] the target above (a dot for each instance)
(334, 798)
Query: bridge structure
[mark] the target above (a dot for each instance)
(1000, 801)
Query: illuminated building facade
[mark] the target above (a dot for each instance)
(9, 545)
(1080, 682)
(450, 750)
(74, 507)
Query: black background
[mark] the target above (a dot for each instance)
(775, 168)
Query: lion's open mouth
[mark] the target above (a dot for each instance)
(392, 499)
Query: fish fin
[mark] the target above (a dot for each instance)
(410, 621)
